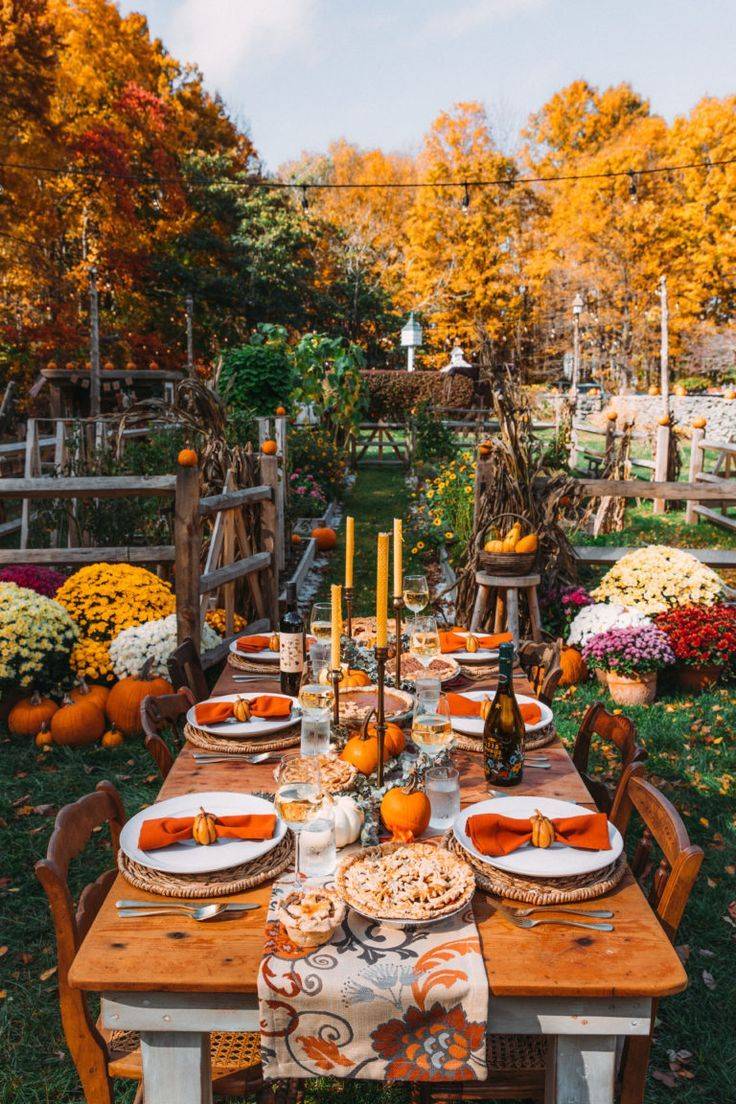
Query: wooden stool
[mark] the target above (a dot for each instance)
(506, 613)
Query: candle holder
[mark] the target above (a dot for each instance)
(381, 657)
(348, 592)
(336, 677)
(398, 607)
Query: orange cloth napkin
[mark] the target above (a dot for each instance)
(460, 706)
(164, 831)
(453, 642)
(266, 706)
(253, 643)
(494, 835)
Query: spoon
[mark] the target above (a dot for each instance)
(239, 757)
(204, 912)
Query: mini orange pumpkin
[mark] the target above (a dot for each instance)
(395, 740)
(484, 448)
(29, 715)
(187, 458)
(95, 693)
(130, 366)
(700, 423)
(326, 539)
(269, 447)
(280, 411)
(44, 738)
(109, 366)
(78, 723)
(405, 811)
(361, 751)
(124, 702)
(295, 538)
(353, 679)
(153, 366)
(574, 667)
(112, 738)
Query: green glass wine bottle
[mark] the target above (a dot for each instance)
(504, 730)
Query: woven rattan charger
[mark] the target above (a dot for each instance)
(537, 740)
(253, 666)
(289, 738)
(220, 883)
(539, 891)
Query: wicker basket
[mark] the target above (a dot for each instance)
(506, 563)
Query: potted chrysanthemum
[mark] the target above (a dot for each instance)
(630, 658)
(703, 639)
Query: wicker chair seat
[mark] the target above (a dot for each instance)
(235, 1056)
(515, 1071)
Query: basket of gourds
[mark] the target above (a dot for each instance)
(506, 548)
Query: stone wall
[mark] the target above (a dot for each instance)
(720, 413)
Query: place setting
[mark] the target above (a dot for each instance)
(469, 710)
(242, 723)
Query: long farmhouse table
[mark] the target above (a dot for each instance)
(175, 981)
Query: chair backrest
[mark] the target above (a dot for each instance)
(185, 669)
(73, 830)
(616, 729)
(160, 713)
(670, 881)
(541, 665)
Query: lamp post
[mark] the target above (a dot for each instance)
(577, 310)
(411, 339)
(189, 305)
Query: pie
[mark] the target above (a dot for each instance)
(335, 774)
(405, 881)
(442, 667)
(356, 704)
(311, 917)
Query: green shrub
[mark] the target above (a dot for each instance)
(258, 376)
(327, 374)
(392, 395)
(433, 440)
(695, 385)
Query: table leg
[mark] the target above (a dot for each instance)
(581, 1070)
(176, 1067)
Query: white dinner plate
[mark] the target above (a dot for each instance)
(557, 861)
(264, 656)
(483, 655)
(191, 857)
(236, 730)
(473, 726)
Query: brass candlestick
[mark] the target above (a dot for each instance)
(348, 593)
(398, 606)
(336, 677)
(381, 657)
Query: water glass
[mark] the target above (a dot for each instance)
(317, 849)
(319, 658)
(442, 787)
(427, 690)
(315, 732)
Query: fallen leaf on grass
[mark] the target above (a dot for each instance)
(706, 953)
(708, 980)
(711, 882)
(25, 957)
(730, 869)
(46, 974)
(3, 951)
(3, 994)
(665, 1077)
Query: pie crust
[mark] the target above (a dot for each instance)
(311, 917)
(405, 881)
(336, 775)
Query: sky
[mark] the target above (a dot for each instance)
(298, 74)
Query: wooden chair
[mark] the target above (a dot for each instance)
(541, 665)
(160, 713)
(667, 882)
(98, 1053)
(616, 729)
(516, 1071)
(185, 669)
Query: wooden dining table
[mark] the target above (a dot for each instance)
(175, 980)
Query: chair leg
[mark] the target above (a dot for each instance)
(634, 1065)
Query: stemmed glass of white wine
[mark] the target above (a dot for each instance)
(298, 796)
(320, 621)
(424, 640)
(431, 728)
(416, 592)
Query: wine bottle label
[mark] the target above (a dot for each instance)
(291, 652)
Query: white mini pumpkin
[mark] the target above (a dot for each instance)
(349, 819)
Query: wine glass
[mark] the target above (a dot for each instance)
(416, 592)
(320, 623)
(424, 640)
(298, 796)
(431, 727)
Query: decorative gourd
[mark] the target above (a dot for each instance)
(405, 811)
(203, 828)
(326, 538)
(484, 448)
(611, 415)
(78, 723)
(574, 667)
(349, 819)
(543, 831)
(654, 390)
(112, 738)
(241, 710)
(269, 447)
(485, 707)
(529, 543)
(29, 715)
(700, 423)
(280, 411)
(471, 644)
(44, 737)
(354, 678)
(84, 691)
(664, 420)
(295, 538)
(124, 702)
(274, 643)
(187, 458)
(493, 546)
(394, 740)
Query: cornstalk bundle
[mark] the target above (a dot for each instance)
(609, 517)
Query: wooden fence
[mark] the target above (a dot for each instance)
(724, 463)
(597, 460)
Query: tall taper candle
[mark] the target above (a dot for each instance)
(398, 573)
(382, 591)
(349, 550)
(336, 619)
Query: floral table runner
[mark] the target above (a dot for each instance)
(375, 1002)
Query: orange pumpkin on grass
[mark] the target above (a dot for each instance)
(326, 538)
(29, 715)
(574, 667)
(44, 738)
(112, 738)
(405, 811)
(124, 702)
(77, 723)
(93, 692)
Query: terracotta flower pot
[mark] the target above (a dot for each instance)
(602, 676)
(632, 691)
(696, 679)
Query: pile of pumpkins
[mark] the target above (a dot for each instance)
(87, 713)
(511, 541)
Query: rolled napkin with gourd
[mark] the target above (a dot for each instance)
(267, 707)
(163, 831)
(461, 706)
(452, 641)
(493, 834)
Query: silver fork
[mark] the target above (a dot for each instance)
(522, 922)
(600, 914)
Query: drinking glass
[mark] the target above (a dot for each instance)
(416, 592)
(317, 848)
(424, 640)
(431, 727)
(442, 787)
(427, 688)
(319, 658)
(315, 732)
(298, 796)
(320, 621)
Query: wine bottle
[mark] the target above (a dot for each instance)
(504, 730)
(291, 644)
